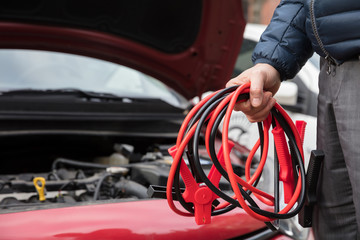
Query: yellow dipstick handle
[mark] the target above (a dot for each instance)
(40, 188)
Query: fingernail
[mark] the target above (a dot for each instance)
(256, 102)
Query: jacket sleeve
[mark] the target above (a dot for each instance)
(284, 43)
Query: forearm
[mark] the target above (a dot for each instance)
(284, 44)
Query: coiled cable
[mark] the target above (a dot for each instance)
(208, 114)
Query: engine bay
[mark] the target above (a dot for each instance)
(91, 172)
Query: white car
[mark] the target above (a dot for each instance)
(298, 96)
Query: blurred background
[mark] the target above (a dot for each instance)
(259, 11)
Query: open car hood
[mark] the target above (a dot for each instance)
(190, 45)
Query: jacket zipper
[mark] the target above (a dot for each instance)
(328, 58)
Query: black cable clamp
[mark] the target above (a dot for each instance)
(312, 177)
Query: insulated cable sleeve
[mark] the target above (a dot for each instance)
(177, 173)
(185, 205)
(211, 147)
(205, 179)
(240, 180)
(284, 214)
(197, 160)
(208, 114)
(198, 110)
(286, 166)
(234, 182)
(269, 214)
(276, 181)
(299, 192)
(176, 186)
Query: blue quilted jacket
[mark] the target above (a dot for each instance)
(299, 27)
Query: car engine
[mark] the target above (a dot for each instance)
(124, 175)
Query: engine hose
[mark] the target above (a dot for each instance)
(98, 186)
(208, 114)
(83, 164)
(131, 189)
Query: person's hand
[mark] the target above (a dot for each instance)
(265, 82)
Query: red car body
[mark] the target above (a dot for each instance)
(150, 219)
(206, 64)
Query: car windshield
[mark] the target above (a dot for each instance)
(44, 70)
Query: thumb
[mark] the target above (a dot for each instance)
(257, 88)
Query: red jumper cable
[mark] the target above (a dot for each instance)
(200, 198)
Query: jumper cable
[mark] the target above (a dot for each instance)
(200, 198)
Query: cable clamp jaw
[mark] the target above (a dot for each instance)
(203, 199)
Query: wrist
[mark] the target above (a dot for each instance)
(275, 69)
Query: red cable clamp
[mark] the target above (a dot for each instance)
(198, 193)
(300, 126)
(202, 197)
(286, 169)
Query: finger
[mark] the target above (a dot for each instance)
(239, 80)
(243, 106)
(263, 113)
(259, 113)
(248, 109)
(257, 88)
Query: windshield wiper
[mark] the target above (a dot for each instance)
(83, 93)
(89, 96)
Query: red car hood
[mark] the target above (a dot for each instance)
(190, 45)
